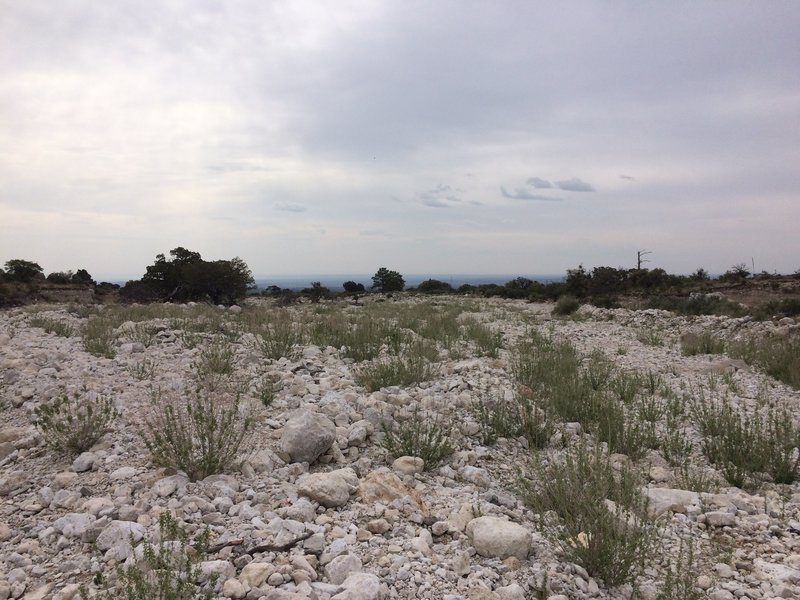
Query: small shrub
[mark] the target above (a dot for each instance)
(680, 581)
(60, 328)
(167, 570)
(143, 333)
(613, 541)
(200, 437)
(650, 337)
(266, 391)
(566, 305)
(487, 342)
(279, 337)
(71, 425)
(397, 370)
(701, 343)
(215, 359)
(422, 436)
(625, 386)
(98, 337)
(143, 369)
(776, 356)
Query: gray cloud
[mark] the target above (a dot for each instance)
(539, 183)
(442, 196)
(293, 208)
(574, 185)
(628, 177)
(523, 194)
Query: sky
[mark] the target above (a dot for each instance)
(428, 137)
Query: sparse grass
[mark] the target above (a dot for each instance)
(395, 370)
(279, 336)
(509, 420)
(423, 435)
(215, 359)
(701, 343)
(650, 336)
(487, 342)
(98, 336)
(142, 369)
(625, 386)
(613, 541)
(142, 333)
(778, 357)
(166, 571)
(680, 581)
(200, 436)
(60, 328)
(73, 424)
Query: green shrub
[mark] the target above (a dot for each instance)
(423, 436)
(566, 305)
(778, 357)
(98, 336)
(201, 436)
(143, 369)
(701, 343)
(395, 370)
(613, 541)
(71, 425)
(167, 570)
(60, 328)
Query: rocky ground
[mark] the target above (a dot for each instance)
(318, 509)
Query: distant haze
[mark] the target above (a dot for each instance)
(427, 137)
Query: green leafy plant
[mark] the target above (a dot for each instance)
(60, 328)
(594, 512)
(201, 436)
(73, 424)
(98, 336)
(167, 570)
(423, 436)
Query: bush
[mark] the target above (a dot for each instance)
(98, 337)
(434, 286)
(351, 287)
(71, 425)
(386, 281)
(49, 325)
(701, 343)
(166, 571)
(422, 436)
(779, 357)
(23, 271)
(200, 437)
(396, 370)
(566, 305)
(602, 516)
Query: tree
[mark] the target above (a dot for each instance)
(82, 277)
(316, 292)
(187, 277)
(434, 286)
(24, 271)
(386, 281)
(60, 277)
(700, 275)
(351, 287)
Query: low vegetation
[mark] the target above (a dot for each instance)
(73, 424)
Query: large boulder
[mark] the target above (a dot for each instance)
(496, 537)
(307, 436)
(329, 489)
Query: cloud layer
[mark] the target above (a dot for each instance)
(435, 137)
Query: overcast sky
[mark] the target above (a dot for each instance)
(425, 136)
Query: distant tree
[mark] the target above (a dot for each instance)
(187, 277)
(24, 271)
(351, 287)
(737, 273)
(434, 286)
(700, 275)
(519, 287)
(316, 292)
(386, 281)
(607, 280)
(82, 277)
(577, 282)
(60, 277)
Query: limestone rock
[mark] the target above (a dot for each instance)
(329, 489)
(496, 537)
(307, 436)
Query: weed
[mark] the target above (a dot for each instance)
(681, 578)
(675, 444)
(778, 357)
(487, 342)
(701, 343)
(396, 370)
(143, 369)
(49, 325)
(625, 386)
(650, 336)
(98, 337)
(200, 437)
(599, 371)
(166, 571)
(279, 337)
(422, 436)
(71, 425)
(143, 333)
(611, 540)
(215, 359)
(694, 479)
(266, 391)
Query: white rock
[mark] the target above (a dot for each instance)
(255, 574)
(73, 525)
(84, 462)
(366, 586)
(496, 537)
(408, 465)
(341, 567)
(307, 436)
(116, 537)
(233, 588)
(329, 489)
